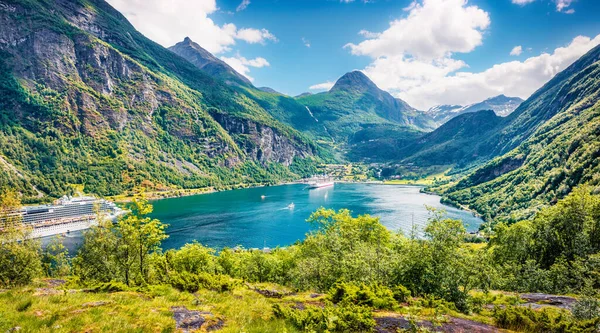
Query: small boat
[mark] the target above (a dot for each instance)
(263, 197)
(291, 206)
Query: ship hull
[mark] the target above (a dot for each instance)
(321, 185)
(65, 228)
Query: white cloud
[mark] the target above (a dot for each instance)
(425, 84)
(432, 29)
(413, 58)
(254, 36)
(243, 5)
(516, 51)
(561, 5)
(411, 6)
(168, 22)
(322, 86)
(242, 65)
(369, 34)
(522, 2)
(306, 42)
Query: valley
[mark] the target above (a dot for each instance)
(457, 205)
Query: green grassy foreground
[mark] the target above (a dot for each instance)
(49, 306)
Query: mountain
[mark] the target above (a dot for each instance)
(548, 146)
(269, 90)
(501, 105)
(355, 102)
(208, 63)
(455, 142)
(86, 99)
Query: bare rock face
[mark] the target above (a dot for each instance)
(261, 143)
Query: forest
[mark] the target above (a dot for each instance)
(341, 278)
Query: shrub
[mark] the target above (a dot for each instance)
(401, 293)
(586, 308)
(109, 287)
(186, 281)
(525, 319)
(376, 296)
(343, 318)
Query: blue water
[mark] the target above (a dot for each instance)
(242, 217)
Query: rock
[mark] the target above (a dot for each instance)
(272, 293)
(53, 283)
(192, 320)
(539, 300)
(95, 304)
(392, 324)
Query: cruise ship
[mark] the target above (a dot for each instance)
(68, 214)
(320, 181)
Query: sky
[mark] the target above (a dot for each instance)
(427, 52)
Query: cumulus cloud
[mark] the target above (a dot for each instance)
(243, 5)
(254, 36)
(427, 84)
(432, 29)
(322, 86)
(168, 22)
(516, 51)
(522, 2)
(413, 58)
(242, 65)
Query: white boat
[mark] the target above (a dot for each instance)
(291, 206)
(320, 181)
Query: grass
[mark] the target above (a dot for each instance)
(49, 310)
(39, 308)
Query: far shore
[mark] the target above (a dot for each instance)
(177, 193)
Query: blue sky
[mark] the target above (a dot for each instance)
(427, 52)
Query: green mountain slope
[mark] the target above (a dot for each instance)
(208, 63)
(284, 108)
(556, 135)
(355, 101)
(456, 142)
(86, 99)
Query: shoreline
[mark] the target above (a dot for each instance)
(179, 193)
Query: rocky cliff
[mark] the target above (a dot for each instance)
(88, 100)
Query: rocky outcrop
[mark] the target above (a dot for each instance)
(260, 142)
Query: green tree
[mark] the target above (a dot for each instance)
(121, 251)
(138, 236)
(344, 247)
(19, 253)
(55, 259)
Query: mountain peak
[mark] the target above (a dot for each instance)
(355, 80)
(206, 61)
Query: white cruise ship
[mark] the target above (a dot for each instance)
(320, 181)
(67, 215)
